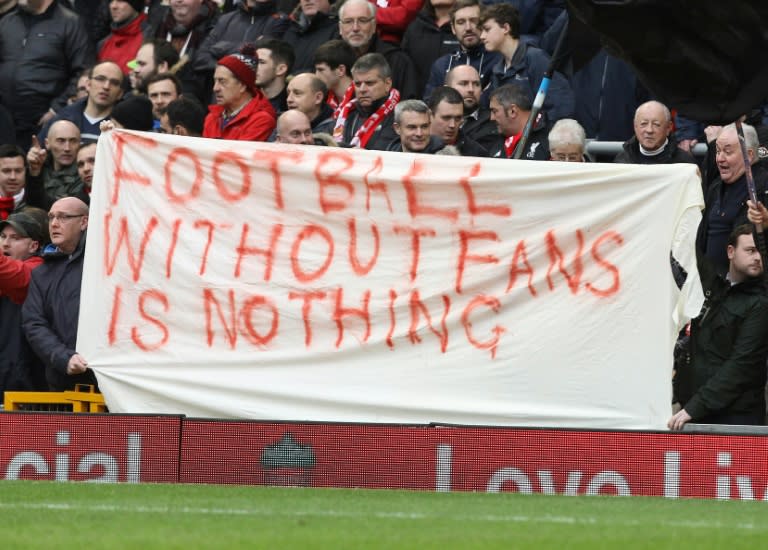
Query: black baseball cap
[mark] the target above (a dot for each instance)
(31, 223)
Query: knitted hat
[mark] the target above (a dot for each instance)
(244, 66)
(138, 5)
(31, 222)
(134, 113)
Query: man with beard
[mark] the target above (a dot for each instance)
(722, 379)
(154, 56)
(465, 21)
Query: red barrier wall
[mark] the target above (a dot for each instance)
(168, 449)
(106, 448)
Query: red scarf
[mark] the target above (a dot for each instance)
(332, 101)
(364, 133)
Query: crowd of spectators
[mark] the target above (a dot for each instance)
(451, 77)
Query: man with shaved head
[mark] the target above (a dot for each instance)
(293, 127)
(307, 93)
(477, 124)
(52, 169)
(51, 310)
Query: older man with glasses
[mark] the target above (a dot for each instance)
(357, 27)
(51, 310)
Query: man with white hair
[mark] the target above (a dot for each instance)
(725, 202)
(357, 27)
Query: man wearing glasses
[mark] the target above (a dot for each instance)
(105, 88)
(357, 27)
(51, 310)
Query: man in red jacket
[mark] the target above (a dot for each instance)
(22, 237)
(241, 111)
(128, 25)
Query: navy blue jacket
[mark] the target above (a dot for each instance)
(527, 68)
(50, 315)
(480, 59)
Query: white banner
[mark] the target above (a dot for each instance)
(252, 280)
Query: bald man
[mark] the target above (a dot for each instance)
(307, 93)
(51, 311)
(293, 127)
(54, 167)
(653, 142)
(477, 124)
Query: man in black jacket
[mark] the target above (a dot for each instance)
(311, 25)
(723, 379)
(725, 202)
(653, 142)
(51, 310)
(447, 108)
(44, 48)
(511, 109)
(412, 123)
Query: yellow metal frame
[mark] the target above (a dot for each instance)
(84, 399)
